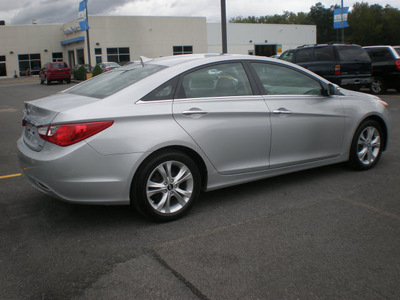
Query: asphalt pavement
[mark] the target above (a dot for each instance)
(326, 233)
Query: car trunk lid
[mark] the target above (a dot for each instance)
(43, 111)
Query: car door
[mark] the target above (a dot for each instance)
(216, 106)
(306, 126)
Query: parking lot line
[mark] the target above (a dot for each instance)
(372, 208)
(10, 176)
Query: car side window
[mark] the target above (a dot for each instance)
(165, 91)
(288, 55)
(303, 55)
(379, 55)
(324, 54)
(281, 80)
(228, 79)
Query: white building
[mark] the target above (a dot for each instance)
(25, 48)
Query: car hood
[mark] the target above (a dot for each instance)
(358, 94)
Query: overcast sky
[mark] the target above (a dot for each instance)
(16, 12)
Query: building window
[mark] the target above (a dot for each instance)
(3, 70)
(97, 53)
(118, 54)
(182, 50)
(29, 64)
(57, 56)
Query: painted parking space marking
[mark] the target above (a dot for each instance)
(373, 209)
(10, 176)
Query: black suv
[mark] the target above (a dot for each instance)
(345, 65)
(385, 68)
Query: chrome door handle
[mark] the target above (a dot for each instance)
(194, 111)
(282, 111)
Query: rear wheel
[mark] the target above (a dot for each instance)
(166, 185)
(366, 147)
(378, 86)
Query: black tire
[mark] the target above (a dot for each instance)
(168, 197)
(378, 86)
(68, 80)
(366, 147)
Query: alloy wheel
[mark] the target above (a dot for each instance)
(169, 187)
(368, 145)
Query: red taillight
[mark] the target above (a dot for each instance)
(337, 70)
(398, 63)
(68, 134)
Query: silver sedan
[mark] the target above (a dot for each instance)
(157, 133)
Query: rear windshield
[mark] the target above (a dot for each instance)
(397, 50)
(58, 65)
(113, 81)
(353, 53)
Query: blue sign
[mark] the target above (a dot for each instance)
(83, 23)
(337, 18)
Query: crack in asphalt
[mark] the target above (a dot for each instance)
(178, 275)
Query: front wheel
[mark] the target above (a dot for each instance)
(366, 147)
(166, 185)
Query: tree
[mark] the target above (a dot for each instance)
(369, 25)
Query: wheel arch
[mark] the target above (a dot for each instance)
(189, 152)
(383, 125)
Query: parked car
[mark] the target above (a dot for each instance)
(108, 66)
(55, 71)
(386, 68)
(156, 134)
(345, 65)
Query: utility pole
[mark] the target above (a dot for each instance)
(341, 17)
(223, 27)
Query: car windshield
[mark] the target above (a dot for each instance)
(353, 53)
(111, 82)
(397, 50)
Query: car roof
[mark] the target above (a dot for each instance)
(170, 61)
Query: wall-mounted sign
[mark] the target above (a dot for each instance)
(71, 29)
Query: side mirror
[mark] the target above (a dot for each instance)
(332, 89)
(329, 89)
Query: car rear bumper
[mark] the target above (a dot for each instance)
(79, 174)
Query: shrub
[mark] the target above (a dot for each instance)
(97, 70)
(80, 74)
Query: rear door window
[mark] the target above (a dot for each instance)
(324, 54)
(228, 79)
